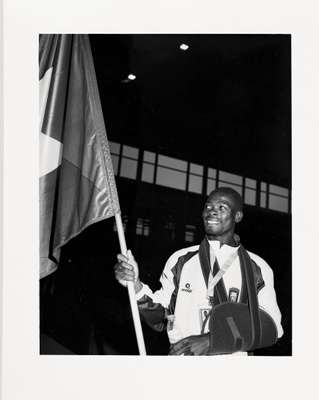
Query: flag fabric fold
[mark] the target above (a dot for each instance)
(77, 185)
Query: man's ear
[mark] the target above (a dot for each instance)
(239, 216)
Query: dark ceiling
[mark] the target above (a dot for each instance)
(225, 102)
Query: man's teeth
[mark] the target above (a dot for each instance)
(212, 221)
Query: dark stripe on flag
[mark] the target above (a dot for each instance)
(59, 60)
(81, 190)
(48, 45)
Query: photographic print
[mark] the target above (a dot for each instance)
(178, 147)
(159, 199)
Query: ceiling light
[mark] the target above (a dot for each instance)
(183, 46)
(131, 77)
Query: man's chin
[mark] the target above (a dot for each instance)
(212, 231)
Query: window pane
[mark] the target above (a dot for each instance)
(128, 168)
(143, 226)
(191, 227)
(171, 178)
(195, 184)
(250, 197)
(115, 162)
(130, 152)
(211, 185)
(251, 183)
(139, 226)
(148, 173)
(232, 178)
(278, 190)
(211, 173)
(196, 169)
(172, 163)
(190, 233)
(262, 199)
(115, 147)
(149, 156)
(278, 203)
(189, 237)
(263, 186)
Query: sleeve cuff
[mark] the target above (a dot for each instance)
(145, 291)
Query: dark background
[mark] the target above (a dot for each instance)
(225, 102)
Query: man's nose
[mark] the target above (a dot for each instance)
(212, 211)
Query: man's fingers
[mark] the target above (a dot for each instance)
(126, 262)
(125, 265)
(188, 352)
(180, 351)
(121, 258)
(179, 347)
(125, 269)
(124, 273)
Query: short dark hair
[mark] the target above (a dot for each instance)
(238, 201)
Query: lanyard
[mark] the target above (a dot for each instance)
(212, 281)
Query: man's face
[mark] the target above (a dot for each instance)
(220, 215)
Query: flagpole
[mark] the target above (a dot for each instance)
(131, 290)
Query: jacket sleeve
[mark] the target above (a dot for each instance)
(152, 305)
(267, 298)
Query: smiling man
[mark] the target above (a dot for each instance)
(223, 209)
(216, 297)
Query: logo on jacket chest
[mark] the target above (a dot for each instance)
(187, 288)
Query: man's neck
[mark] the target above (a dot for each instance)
(230, 241)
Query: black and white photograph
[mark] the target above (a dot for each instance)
(178, 148)
(159, 199)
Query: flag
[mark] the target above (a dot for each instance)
(77, 186)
